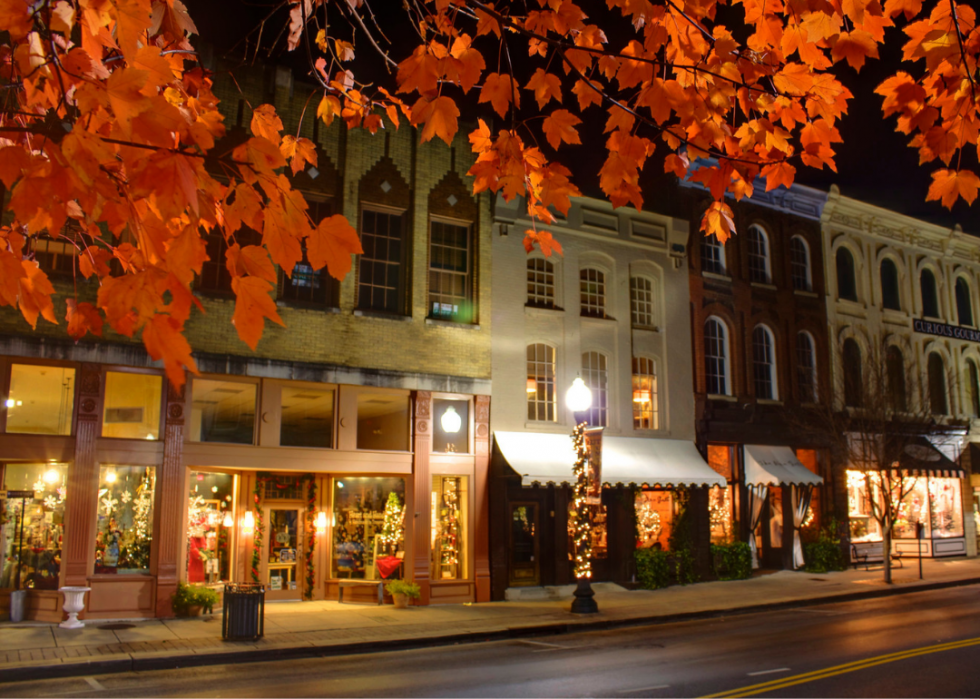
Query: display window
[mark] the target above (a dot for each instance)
(383, 421)
(450, 505)
(222, 411)
(863, 525)
(936, 503)
(720, 515)
(132, 405)
(913, 509)
(368, 523)
(947, 507)
(41, 399)
(124, 530)
(450, 428)
(32, 529)
(307, 417)
(654, 517)
(210, 527)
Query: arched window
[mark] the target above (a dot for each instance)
(597, 379)
(846, 283)
(930, 298)
(645, 412)
(937, 385)
(759, 269)
(541, 395)
(890, 296)
(852, 373)
(716, 357)
(973, 388)
(764, 363)
(592, 286)
(806, 367)
(642, 302)
(964, 308)
(540, 283)
(712, 255)
(895, 371)
(799, 260)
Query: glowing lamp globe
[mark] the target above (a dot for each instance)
(52, 476)
(451, 421)
(579, 397)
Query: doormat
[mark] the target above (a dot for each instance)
(116, 627)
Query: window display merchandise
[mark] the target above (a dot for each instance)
(124, 530)
(210, 528)
(936, 503)
(449, 507)
(359, 519)
(654, 515)
(32, 529)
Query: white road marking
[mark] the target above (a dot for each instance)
(767, 672)
(642, 689)
(551, 646)
(94, 684)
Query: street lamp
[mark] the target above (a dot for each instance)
(579, 399)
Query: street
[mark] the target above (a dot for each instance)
(923, 644)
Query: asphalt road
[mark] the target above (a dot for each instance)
(916, 645)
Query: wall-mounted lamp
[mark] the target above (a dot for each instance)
(451, 421)
(228, 521)
(641, 395)
(532, 386)
(248, 523)
(321, 523)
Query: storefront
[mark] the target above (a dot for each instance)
(531, 478)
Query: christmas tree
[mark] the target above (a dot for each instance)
(392, 530)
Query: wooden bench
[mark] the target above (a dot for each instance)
(872, 553)
(379, 584)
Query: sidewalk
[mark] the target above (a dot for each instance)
(294, 629)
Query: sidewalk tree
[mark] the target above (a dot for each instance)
(108, 126)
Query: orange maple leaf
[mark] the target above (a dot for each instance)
(546, 86)
(82, 318)
(949, 185)
(266, 124)
(35, 294)
(499, 90)
(544, 240)
(439, 116)
(560, 126)
(163, 340)
(718, 220)
(299, 151)
(778, 174)
(420, 72)
(587, 96)
(252, 260)
(480, 139)
(910, 7)
(855, 46)
(11, 272)
(252, 305)
(332, 243)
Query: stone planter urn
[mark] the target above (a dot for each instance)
(74, 603)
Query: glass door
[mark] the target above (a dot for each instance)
(524, 568)
(284, 556)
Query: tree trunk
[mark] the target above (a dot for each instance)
(886, 552)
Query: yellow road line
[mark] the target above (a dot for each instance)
(784, 682)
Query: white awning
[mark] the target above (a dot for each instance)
(776, 466)
(548, 458)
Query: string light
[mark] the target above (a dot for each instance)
(581, 532)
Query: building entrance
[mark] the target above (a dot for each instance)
(284, 553)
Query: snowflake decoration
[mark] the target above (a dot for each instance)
(126, 497)
(109, 503)
(50, 502)
(62, 491)
(39, 486)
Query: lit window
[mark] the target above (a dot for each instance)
(450, 278)
(712, 255)
(210, 527)
(593, 293)
(362, 507)
(222, 411)
(645, 412)
(716, 357)
(641, 302)
(596, 377)
(799, 256)
(451, 426)
(383, 421)
(41, 399)
(132, 405)
(540, 283)
(124, 530)
(806, 367)
(381, 278)
(39, 565)
(764, 363)
(759, 269)
(450, 505)
(541, 382)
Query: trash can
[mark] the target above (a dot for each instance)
(243, 612)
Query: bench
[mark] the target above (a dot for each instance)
(379, 584)
(872, 553)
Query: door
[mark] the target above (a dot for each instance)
(524, 560)
(283, 553)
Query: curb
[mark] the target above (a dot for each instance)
(171, 661)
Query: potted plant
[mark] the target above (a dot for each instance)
(191, 600)
(401, 591)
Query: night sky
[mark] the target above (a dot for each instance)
(875, 164)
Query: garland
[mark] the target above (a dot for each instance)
(259, 531)
(581, 531)
(310, 537)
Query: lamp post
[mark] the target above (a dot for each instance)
(579, 399)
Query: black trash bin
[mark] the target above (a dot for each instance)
(243, 617)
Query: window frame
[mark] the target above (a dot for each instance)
(550, 269)
(723, 361)
(967, 298)
(256, 422)
(651, 301)
(466, 313)
(798, 244)
(553, 404)
(716, 262)
(806, 373)
(885, 292)
(6, 368)
(759, 260)
(845, 253)
(764, 364)
(402, 288)
(933, 296)
(937, 380)
(654, 411)
(141, 371)
(588, 307)
(597, 379)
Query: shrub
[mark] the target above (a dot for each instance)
(825, 553)
(652, 568)
(732, 561)
(401, 587)
(188, 596)
(681, 541)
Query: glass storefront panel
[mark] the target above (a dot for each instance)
(913, 508)
(863, 525)
(41, 399)
(720, 515)
(32, 554)
(359, 520)
(124, 530)
(383, 421)
(284, 525)
(210, 527)
(947, 507)
(222, 411)
(654, 515)
(132, 405)
(450, 505)
(307, 417)
(450, 426)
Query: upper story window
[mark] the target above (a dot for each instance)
(799, 260)
(642, 302)
(132, 405)
(764, 363)
(846, 281)
(215, 277)
(806, 367)
(592, 288)
(55, 257)
(646, 415)
(596, 377)
(938, 401)
(890, 296)
(930, 297)
(973, 388)
(307, 417)
(41, 399)
(716, 357)
(964, 307)
(451, 271)
(540, 283)
(853, 384)
(305, 285)
(223, 411)
(541, 400)
(759, 263)
(713, 255)
(383, 421)
(382, 277)
(895, 373)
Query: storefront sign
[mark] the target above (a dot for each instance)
(593, 445)
(943, 330)
(16, 494)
